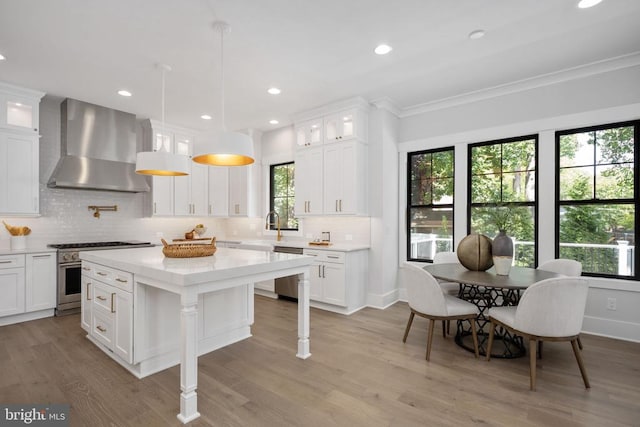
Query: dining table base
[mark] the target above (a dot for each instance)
(505, 344)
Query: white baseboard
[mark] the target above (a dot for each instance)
(616, 329)
(25, 317)
(382, 301)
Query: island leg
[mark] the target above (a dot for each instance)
(188, 357)
(303, 315)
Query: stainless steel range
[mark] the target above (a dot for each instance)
(69, 277)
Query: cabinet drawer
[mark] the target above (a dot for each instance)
(111, 276)
(326, 256)
(11, 261)
(103, 298)
(102, 328)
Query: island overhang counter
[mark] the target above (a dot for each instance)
(190, 279)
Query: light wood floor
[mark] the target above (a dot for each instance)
(360, 374)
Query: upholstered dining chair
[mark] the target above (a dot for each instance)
(567, 267)
(549, 310)
(450, 288)
(427, 300)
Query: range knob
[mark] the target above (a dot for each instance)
(75, 256)
(66, 257)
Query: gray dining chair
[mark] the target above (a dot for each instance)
(427, 300)
(567, 267)
(549, 310)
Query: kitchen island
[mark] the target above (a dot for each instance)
(129, 294)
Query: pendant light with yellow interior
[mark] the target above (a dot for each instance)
(226, 148)
(162, 163)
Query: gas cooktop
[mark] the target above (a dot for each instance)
(94, 245)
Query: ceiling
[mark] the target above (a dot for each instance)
(317, 52)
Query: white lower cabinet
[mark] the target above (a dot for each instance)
(338, 280)
(108, 301)
(27, 286)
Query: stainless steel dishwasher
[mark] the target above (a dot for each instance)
(287, 287)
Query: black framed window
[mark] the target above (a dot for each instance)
(502, 193)
(430, 178)
(597, 198)
(282, 195)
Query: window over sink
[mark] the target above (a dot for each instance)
(282, 195)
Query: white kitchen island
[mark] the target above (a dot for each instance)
(123, 286)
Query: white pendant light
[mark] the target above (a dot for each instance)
(226, 148)
(161, 163)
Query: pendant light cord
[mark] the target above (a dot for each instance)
(222, 30)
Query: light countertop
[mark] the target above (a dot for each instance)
(226, 263)
(30, 250)
(341, 247)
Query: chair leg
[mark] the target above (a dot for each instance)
(449, 329)
(490, 343)
(583, 371)
(533, 346)
(474, 334)
(430, 337)
(406, 331)
(579, 343)
(540, 349)
(444, 329)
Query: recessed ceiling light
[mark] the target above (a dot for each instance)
(2, 58)
(476, 34)
(124, 93)
(583, 4)
(273, 122)
(205, 117)
(274, 91)
(382, 49)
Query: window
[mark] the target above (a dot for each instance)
(597, 198)
(282, 184)
(502, 193)
(430, 203)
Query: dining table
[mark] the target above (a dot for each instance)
(487, 289)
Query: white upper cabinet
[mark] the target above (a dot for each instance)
(309, 133)
(218, 191)
(331, 176)
(190, 192)
(345, 125)
(19, 108)
(19, 151)
(238, 191)
(309, 173)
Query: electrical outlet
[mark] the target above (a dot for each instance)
(611, 304)
(348, 237)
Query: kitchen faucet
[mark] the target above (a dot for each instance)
(267, 224)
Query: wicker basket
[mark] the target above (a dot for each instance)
(188, 250)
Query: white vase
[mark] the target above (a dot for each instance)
(18, 243)
(502, 265)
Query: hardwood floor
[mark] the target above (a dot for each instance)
(360, 373)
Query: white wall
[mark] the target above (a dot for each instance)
(601, 98)
(64, 214)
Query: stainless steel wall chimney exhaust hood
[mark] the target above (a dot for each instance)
(97, 149)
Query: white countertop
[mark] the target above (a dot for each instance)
(224, 264)
(341, 247)
(30, 250)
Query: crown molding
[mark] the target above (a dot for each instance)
(386, 103)
(356, 102)
(586, 70)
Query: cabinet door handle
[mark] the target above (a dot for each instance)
(101, 273)
(101, 329)
(6, 262)
(113, 307)
(340, 205)
(86, 268)
(42, 256)
(319, 271)
(332, 256)
(121, 280)
(88, 284)
(101, 298)
(324, 270)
